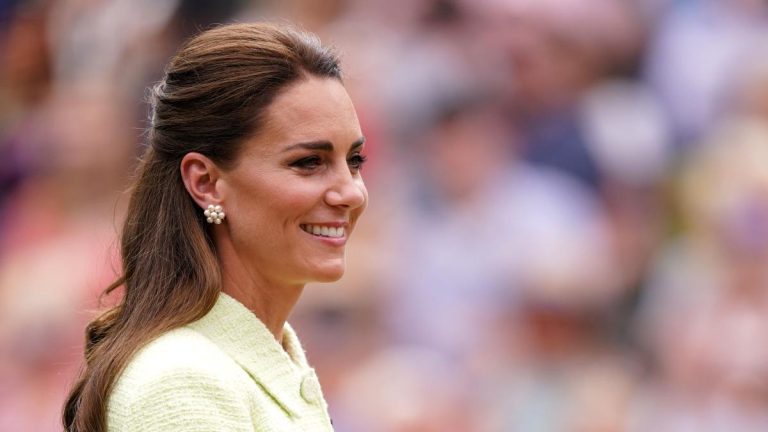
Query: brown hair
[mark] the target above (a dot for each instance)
(214, 95)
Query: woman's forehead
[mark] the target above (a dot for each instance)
(311, 107)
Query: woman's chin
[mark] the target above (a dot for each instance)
(329, 273)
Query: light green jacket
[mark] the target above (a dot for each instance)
(225, 372)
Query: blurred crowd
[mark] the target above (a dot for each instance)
(568, 226)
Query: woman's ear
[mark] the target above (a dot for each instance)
(200, 176)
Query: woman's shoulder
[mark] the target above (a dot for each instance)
(174, 378)
(180, 351)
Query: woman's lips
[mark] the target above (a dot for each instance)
(331, 233)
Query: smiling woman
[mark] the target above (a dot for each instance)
(248, 190)
(300, 173)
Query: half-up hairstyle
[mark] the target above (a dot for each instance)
(214, 96)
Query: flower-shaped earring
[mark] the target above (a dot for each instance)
(214, 214)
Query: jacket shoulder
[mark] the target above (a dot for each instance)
(180, 381)
(177, 351)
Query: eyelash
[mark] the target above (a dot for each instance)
(306, 163)
(356, 162)
(359, 161)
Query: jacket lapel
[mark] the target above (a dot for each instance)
(241, 335)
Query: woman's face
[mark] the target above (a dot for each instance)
(295, 193)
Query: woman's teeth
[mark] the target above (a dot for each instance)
(323, 231)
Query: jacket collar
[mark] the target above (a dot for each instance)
(242, 336)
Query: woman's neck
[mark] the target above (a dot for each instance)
(271, 302)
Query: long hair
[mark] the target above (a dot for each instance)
(214, 95)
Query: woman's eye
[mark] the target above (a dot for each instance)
(307, 163)
(357, 161)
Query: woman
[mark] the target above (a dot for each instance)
(249, 189)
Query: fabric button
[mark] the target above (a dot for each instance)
(310, 389)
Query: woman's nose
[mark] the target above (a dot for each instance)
(347, 191)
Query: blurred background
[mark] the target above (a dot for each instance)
(568, 226)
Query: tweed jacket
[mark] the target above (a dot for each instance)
(225, 372)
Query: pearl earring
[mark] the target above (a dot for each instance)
(214, 214)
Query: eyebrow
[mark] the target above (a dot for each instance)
(323, 145)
